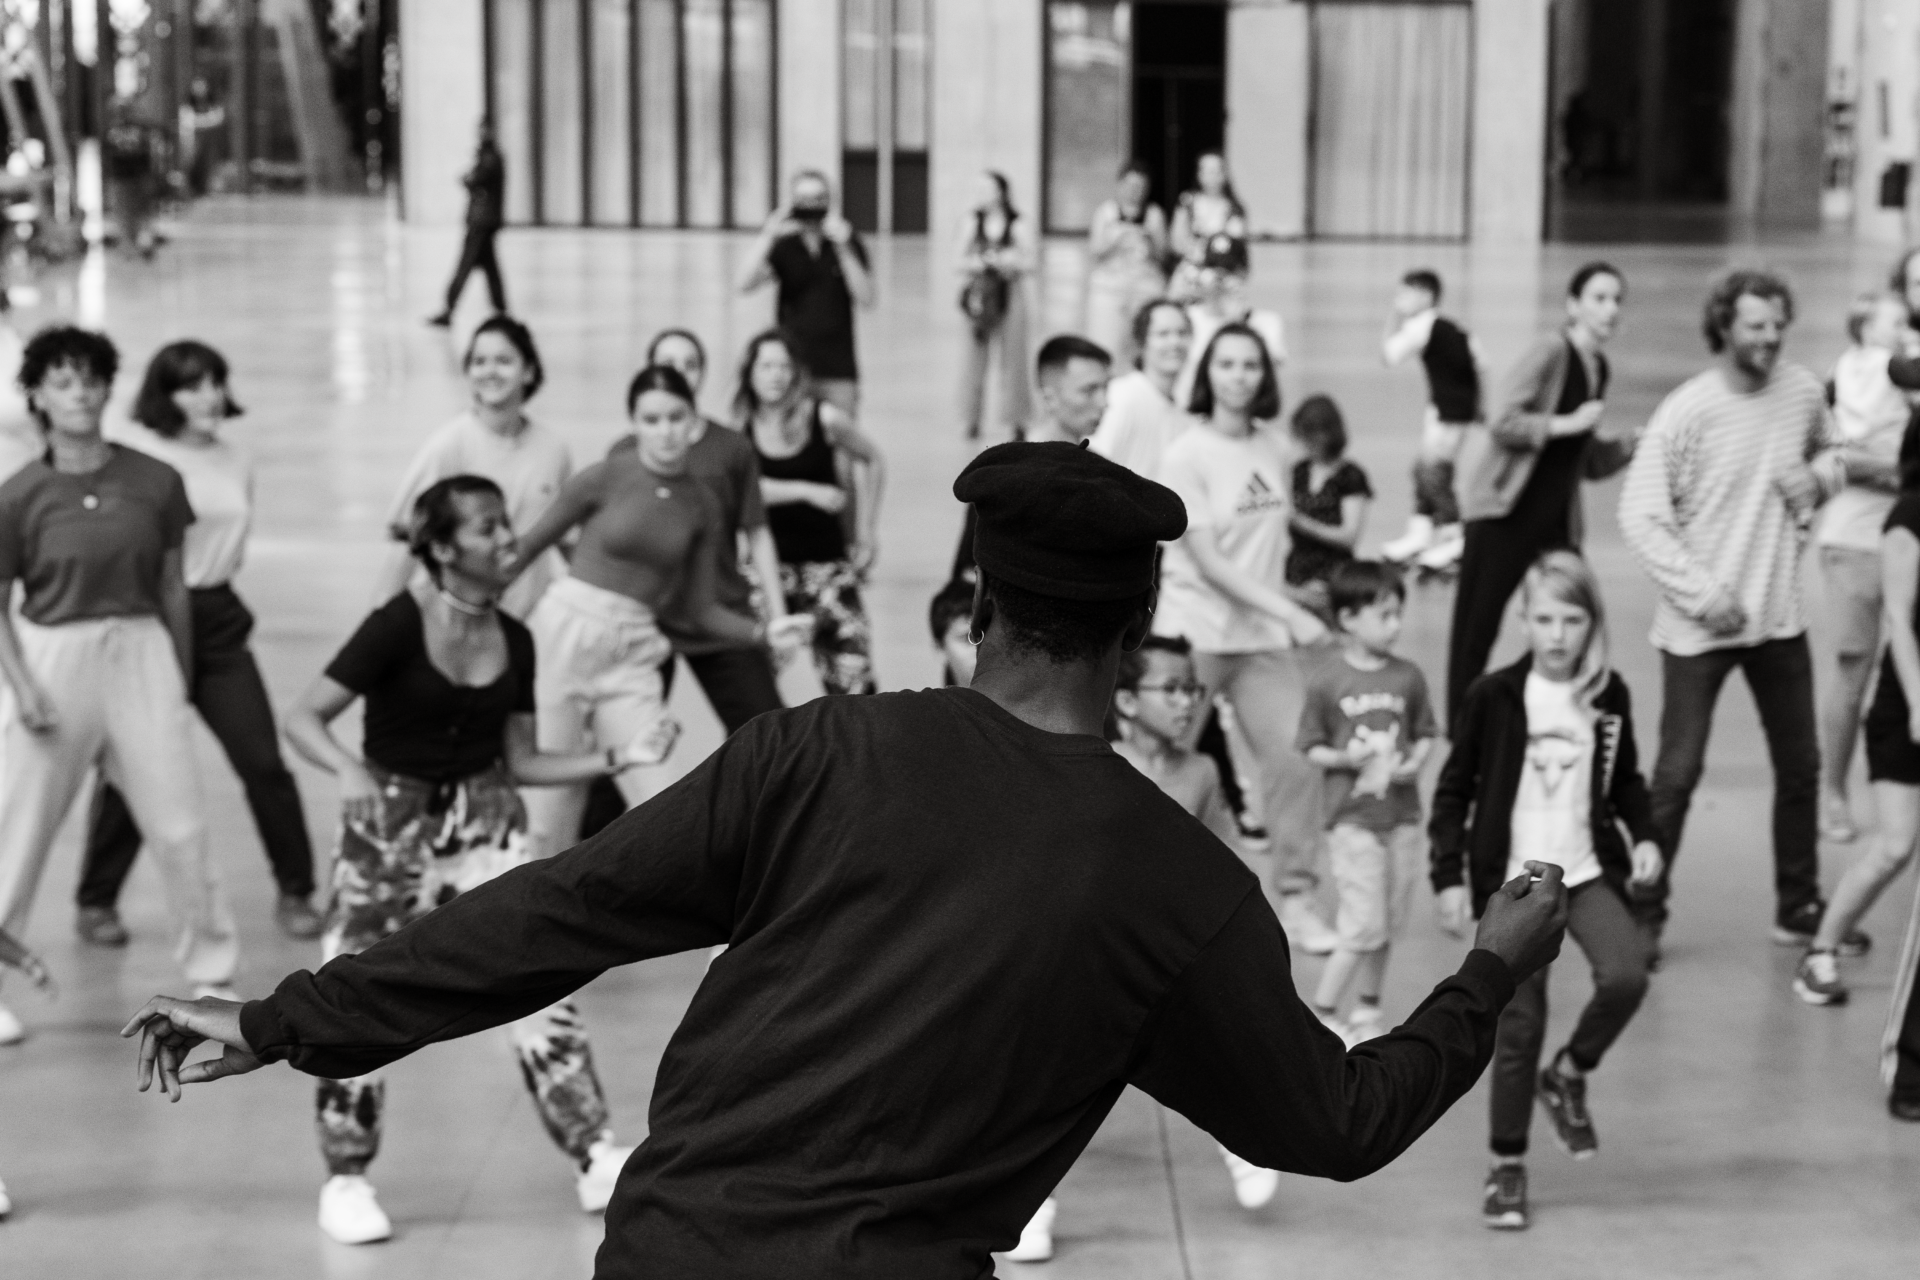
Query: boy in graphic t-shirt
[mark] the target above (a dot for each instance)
(1369, 724)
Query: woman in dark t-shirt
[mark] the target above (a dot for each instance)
(429, 810)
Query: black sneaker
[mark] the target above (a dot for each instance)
(1565, 1098)
(100, 927)
(1797, 927)
(1505, 1206)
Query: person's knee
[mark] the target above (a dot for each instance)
(1888, 857)
(1623, 985)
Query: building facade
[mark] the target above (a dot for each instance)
(1341, 119)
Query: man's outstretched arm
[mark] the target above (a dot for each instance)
(1235, 1049)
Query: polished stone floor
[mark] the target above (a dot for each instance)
(1743, 1133)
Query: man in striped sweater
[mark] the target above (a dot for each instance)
(1716, 508)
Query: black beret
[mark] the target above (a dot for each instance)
(1060, 520)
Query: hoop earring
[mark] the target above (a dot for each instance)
(973, 639)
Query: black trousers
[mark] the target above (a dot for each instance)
(477, 251)
(740, 685)
(1492, 564)
(230, 696)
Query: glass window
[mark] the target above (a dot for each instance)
(860, 74)
(752, 111)
(1088, 110)
(659, 113)
(563, 115)
(909, 75)
(612, 142)
(703, 37)
(513, 101)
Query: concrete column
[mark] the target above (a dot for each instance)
(1888, 131)
(1269, 95)
(1778, 112)
(986, 109)
(1509, 145)
(809, 105)
(442, 96)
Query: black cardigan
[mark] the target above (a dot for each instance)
(1482, 776)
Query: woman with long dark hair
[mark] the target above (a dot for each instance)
(995, 259)
(814, 463)
(182, 405)
(429, 810)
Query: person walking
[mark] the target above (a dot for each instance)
(428, 811)
(486, 184)
(1716, 508)
(177, 418)
(99, 657)
(935, 990)
(995, 259)
(1223, 588)
(1127, 247)
(1519, 475)
(814, 461)
(1142, 417)
(492, 437)
(819, 264)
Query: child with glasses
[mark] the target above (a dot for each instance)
(1368, 724)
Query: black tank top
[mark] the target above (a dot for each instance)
(802, 532)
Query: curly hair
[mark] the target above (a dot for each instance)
(436, 516)
(67, 346)
(1723, 301)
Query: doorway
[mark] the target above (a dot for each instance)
(1179, 91)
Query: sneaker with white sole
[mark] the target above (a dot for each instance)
(1036, 1238)
(1364, 1023)
(1818, 981)
(1505, 1205)
(595, 1183)
(1449, 543)
(1417, 538)
(1305, 929)
(350, 1212)
(1253, 1186)
(11, 1030)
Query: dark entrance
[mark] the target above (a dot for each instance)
(1179, 91)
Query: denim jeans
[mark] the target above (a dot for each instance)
(1780, 675)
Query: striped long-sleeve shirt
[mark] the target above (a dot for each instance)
(1703, 513)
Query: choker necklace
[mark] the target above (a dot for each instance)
(458, 605)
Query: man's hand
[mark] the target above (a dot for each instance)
(1454, 910)
(170, 1029)
(1585, 418)
(1799, 489)
(1648, 863)
(1724, 617)
(1526, 920)
(836, 229)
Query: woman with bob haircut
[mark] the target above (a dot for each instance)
(99, 657)
(491, 437)
(183, 402)
(1223, 587)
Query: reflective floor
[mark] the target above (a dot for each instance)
(1743, 1134)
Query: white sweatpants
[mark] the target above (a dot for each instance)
(598, 685)
(121, 705)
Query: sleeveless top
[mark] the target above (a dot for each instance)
(802, 532)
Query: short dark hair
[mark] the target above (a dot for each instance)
(1056, 629)
(1133, 666)
(1318, 420)
(521, 338)
(1058, 351)
(1266, 401)
(1577, 285)
(1355, 584)
(1423, 278)
(951, 602)
(69, 346)
(1143, 321)
(1724, 299)
(436, 515)
(174, 367)
(685, 335)
(657, 377)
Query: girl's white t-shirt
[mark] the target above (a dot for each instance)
(219, 481)
(1236, 491)
(1553, 808)
(1138, 425)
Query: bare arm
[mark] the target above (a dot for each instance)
(869, 471)
(308, 728)
(1353, 522)
(1246, 590)
(827, 497)
(859, 279)
(532, 767)
(1899, 587)
(766, 568)
(176, 611)
(759, 271)
(579, 498)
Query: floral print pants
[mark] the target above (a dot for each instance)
(842, 636)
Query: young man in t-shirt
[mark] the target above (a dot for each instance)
(1369, 723)
(820, 265)
(1434, 536)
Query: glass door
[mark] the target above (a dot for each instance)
(883, 162)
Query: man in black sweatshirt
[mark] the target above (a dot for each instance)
(958, 925)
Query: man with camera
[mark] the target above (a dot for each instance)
(820, 265)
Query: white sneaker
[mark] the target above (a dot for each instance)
(216, 991)
(1449, 541)
(1417, 538)
(11, 1032)
(595, 1183)
(350, 1212)
(1305, 929)
(1363, 1024)
(1253, 1186)
(6, 1205)
(1036, 1238)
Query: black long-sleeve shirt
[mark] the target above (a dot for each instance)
(954, 939)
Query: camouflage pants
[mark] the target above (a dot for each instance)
(428, 845)
(842, 636)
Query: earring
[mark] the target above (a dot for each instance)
(973, 639)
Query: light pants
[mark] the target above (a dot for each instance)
(598, 685)
(1004, 345)
(1267, 689)
(1114, 298)
(122, 705)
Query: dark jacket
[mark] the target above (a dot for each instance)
(1482, 776)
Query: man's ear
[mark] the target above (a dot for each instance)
(982, 616)
(1140, 625)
